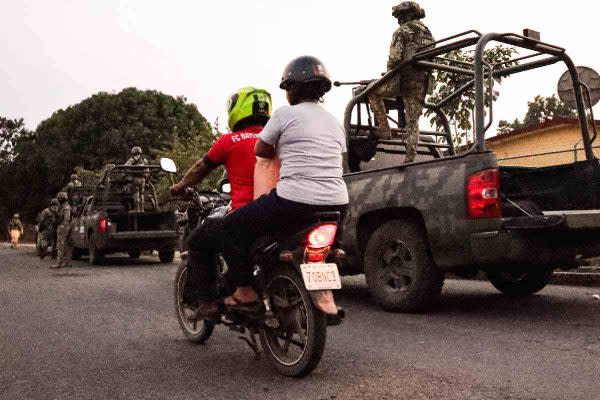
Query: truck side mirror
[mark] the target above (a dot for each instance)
(168, 165)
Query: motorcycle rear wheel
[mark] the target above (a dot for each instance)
(196, 331)
(302, 325)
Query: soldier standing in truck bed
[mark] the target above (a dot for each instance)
(138, 180)
(411, 83)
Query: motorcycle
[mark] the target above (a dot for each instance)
(293, 272)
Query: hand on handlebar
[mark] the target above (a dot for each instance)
(176, 189)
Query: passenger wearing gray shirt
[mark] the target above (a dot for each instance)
(309, 142)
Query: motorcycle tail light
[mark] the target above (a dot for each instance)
(321, 236)
(102, 225)
(318, 243)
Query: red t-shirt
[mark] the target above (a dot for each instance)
(236, 151)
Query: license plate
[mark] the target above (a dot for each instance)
(321, 276)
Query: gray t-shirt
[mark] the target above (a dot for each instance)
(310, 143)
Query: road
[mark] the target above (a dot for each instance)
(108, 332)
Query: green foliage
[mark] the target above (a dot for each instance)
(539, 110)
(10, 131)
(84, 137)
(460, 110)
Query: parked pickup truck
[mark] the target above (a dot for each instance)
(104, 222)
(410, 224)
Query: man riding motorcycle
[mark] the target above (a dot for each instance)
(249, 110)
(310, 143)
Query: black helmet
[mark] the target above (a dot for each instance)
(305, 69)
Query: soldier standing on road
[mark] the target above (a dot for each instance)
(47, 228)
(138, 180)
(15, 229)
(411, 83)
(63, 229)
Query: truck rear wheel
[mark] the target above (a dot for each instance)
(400, 272)
(96, 255)
(520, 283)
(166, 256)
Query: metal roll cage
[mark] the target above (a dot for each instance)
(480, 70)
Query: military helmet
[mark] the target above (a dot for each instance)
(136, 150)
(62, 196)
(248, 104)
(73, 177)
(54, 202)
(15, 215)
(305, 69)
(408, 7)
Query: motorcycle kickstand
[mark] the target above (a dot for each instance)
(251, 341)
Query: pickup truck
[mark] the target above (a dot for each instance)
(458, 211)
(104, 222)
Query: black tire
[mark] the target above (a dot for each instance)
(135, 253)
(204, 329)
(400, 272)
(520, 283)
(96, 255)
(166, 256)
(76, 253)
(316, 328)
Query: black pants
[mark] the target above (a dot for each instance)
(204, 243)
(267, 214)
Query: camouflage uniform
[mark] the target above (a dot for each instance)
(410, 84)
(15, 229)
(138, 182)
(47, 230)
(74, 182)
(63, 230)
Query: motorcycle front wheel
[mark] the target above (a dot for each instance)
(194, 331)
(296, 346)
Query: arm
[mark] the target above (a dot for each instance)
(396, 49)
(264, 150)
(194, 175)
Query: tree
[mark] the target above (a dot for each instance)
(88, 135)
(10, 131)
(460, 111)
(539, 110)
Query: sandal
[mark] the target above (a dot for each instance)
(207, 311)
(239, 305)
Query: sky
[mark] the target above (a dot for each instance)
(57, 53)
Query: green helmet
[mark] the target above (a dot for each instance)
(409, 8)
(62, 196)
(136, 150)
(54, 202)
(249, 105)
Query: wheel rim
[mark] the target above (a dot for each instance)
(288, 342)
(397, 266)
(193, 327)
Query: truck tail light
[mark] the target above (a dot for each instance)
(102, 225)
(318, 243)
(483, 194)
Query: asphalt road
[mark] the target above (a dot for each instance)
(108, 332)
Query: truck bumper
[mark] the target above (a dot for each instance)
(141, 240)
(565, 236)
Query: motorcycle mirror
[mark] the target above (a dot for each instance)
(168, 165)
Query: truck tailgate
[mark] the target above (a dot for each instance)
(578, 219)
